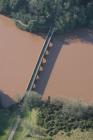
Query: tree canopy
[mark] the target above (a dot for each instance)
(39, 15)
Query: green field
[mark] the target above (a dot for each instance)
(6, 121)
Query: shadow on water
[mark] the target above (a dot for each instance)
(5, 100)
(84, 35)
(51, 59)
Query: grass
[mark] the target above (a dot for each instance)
(29, 130)
(29, 126)
(6, 121)
(75, 135)
(34, 115)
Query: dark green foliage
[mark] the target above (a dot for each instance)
(65, 116)
(4, 7)
(39, 15)
(7, 118)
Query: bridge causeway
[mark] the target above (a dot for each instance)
(42, 58)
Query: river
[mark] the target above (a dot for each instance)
(71, 76)
(68, 73)
(19, 52)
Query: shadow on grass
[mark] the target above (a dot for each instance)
(7, 117)
(5, 121)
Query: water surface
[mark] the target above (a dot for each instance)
(19, 52)
(72, 74)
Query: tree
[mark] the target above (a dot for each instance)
(4, 7)
(39, 15)
(14, 4)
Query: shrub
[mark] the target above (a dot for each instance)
(67, 116)
(65, 15)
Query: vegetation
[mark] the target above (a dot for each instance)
(44, 120)
(39, 15)
(49, 120)
(75, 135)
(58, 116)
(7, 118)
(29, 128)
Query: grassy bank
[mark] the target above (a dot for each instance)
(7, 118)
(29, 130)
(50, 120)
(65, 116)
(56, 120)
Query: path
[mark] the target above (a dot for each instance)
(14, 127)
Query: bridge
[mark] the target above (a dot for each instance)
(34, 77)
(42, 58)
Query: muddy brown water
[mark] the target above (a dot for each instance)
(68, 72)
(19, 52)
(71, 76)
